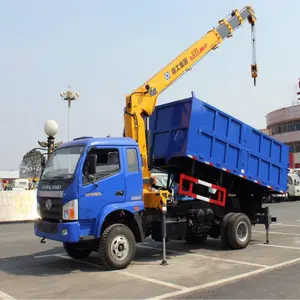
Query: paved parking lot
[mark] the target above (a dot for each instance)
(31, 270)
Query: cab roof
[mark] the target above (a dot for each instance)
(100, 141)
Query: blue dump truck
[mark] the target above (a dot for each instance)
(90, 194)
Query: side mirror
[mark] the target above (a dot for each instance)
(91, 163)
(91, 177)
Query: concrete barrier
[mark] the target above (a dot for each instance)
(18, 206)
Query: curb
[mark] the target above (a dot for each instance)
(17, 222)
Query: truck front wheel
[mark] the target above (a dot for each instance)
(116, 246)
(77, 250)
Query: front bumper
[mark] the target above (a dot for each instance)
(63, 232)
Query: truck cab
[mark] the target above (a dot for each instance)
(84, 184)
(293, 186)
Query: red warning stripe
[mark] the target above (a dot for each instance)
(222, 192)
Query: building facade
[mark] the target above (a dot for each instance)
(284, 125)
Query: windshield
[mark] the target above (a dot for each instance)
(63, 162)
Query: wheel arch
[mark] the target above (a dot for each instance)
(125, 216)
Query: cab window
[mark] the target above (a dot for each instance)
(132, 160)
(108, 164)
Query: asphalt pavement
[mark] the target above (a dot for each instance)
(278, 284)
(31, 270)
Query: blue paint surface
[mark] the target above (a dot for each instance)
(193, 127)
(97, 202)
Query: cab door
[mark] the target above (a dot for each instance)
(108, 186)
(133, 174)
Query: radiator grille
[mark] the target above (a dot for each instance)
(51, 210)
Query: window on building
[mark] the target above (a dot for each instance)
(285, 127)
(290, 127)
(297, 125)
(297, 147)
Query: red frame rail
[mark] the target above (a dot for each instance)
(222, 192)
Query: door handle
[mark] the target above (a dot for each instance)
(120, 193)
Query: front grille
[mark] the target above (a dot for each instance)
(53, 213)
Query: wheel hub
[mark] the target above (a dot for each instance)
(242, 231)
(119, 247)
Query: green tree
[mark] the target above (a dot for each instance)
(31, 163)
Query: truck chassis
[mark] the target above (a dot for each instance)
(193, 221)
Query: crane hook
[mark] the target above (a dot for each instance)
(254, 73)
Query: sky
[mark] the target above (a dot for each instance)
(106, 49)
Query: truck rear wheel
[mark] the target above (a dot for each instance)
(239, 231)
(77, 250)
(223, 230)
(117, 246)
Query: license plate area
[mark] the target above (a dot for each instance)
(47, 227)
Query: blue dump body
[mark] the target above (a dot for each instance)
(193, 128)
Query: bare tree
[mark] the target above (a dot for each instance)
(31, 163)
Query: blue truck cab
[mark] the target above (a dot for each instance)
(85, 183)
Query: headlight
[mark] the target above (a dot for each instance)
(70, 210)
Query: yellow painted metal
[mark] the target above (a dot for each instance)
(141, 102)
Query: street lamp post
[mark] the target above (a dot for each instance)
(69, 96)
(51, 129)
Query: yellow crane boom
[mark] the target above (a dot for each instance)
(140, 103)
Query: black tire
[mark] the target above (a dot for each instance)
(223, 230)
(215, 231)
(123, 235)
(239, 238)
(77, 250)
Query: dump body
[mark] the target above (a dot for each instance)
(193, 128)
